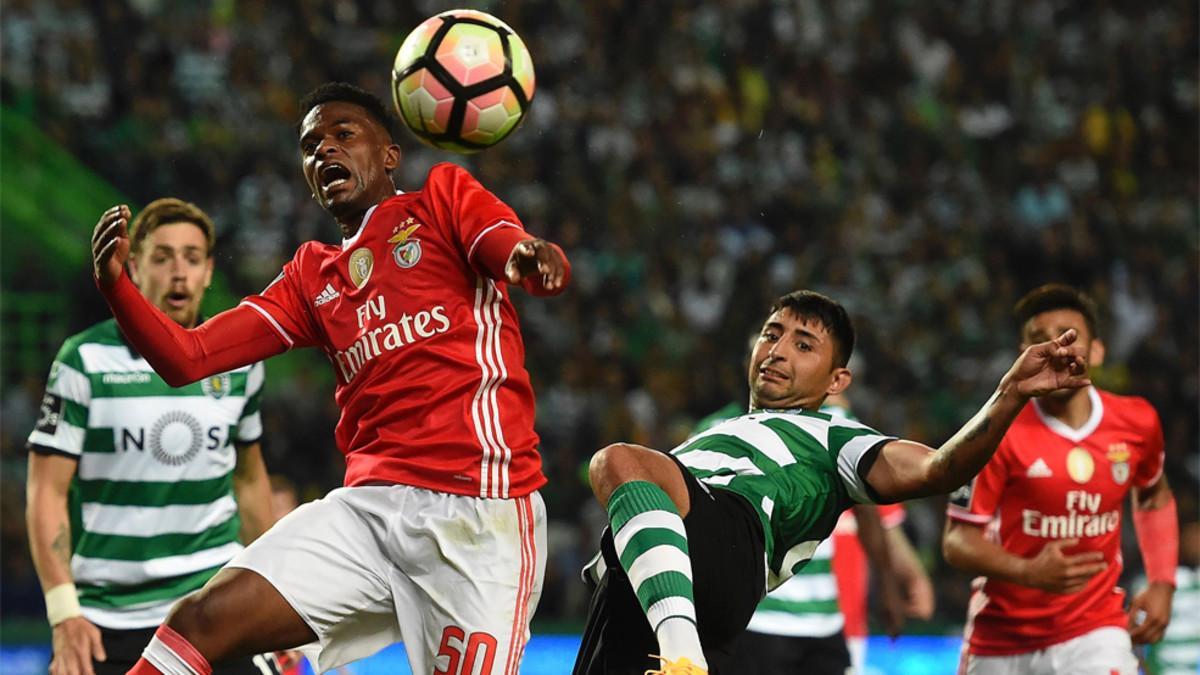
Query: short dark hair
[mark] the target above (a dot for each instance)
(347, 93)
(829, 312)
(1056, 296)
(166, 211)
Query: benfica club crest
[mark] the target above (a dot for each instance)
(407, 251)
(1118, 454)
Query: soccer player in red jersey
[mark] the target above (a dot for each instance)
(438, 537)
(1051, 501)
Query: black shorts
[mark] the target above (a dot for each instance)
(123, 648)
(762, 654)
(725, 543)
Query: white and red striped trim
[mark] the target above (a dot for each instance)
(271, 320)
(479, 237)
(525, 583)
(959, 513)
(485, 408)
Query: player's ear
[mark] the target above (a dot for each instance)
(208, 271)
(132, 266)
(839, 381)
(1096, 352)
(391, 157)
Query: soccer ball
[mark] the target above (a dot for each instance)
(462, 80)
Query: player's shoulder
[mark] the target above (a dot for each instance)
(106, 334)
(1128, 409)
(445, 171)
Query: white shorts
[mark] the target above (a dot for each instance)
(455, 578)
(1104, 651)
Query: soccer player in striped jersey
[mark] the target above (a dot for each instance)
(697, 536)
(139, 492)
(438, 537)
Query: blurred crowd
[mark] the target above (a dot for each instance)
(926, 163)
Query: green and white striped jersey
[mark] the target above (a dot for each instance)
(153, 515)
(797, 468)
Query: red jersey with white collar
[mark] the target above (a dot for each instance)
(425, 344)
(1048, 481)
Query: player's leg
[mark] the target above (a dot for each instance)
(318, 574)
(467, 579)
(646, 498)
(1104, 650)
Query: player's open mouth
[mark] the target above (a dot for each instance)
(771, 374)
(178, 300)
(333, 175)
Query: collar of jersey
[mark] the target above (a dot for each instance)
(1063, 429)
(363, 225)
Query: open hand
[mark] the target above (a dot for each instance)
(536, 256)
(1050, 366)
(110, 245)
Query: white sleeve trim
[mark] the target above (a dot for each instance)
(849, 457)
(479, 237)
(271, 320)
(249, 428)
(1162, 464)
(67, 438)
(959, 513)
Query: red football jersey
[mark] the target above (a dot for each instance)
(1049, 481)
(426, 346)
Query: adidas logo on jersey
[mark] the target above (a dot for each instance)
(327, 295)
(1039, 470)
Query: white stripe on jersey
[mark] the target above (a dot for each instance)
(490, 377)
(66, 437)
(499, 356)
(146, 615)
(707, 460)
(147, 521)
(106, 571)
(773, 622)
(479, 237)
(271, 320)
(763, 439)
(71, 384)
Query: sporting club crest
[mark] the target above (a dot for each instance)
(217, 385)
(407, 251)
(362, 261)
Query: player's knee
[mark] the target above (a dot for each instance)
(617, 464)
(195, 618)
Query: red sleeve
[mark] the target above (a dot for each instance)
(285, 306)
(485, 228)
(892, 515)
(229, 340)
(1150, 465)
(977, 501)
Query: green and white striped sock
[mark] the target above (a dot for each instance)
(653, 548)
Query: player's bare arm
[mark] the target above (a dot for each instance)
(1154, 517)
(537, 256)
(1052, 569)
(252, 489)
(873, 538)
(909, 470)
(76, 641)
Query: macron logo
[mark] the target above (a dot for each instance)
(1039, 470)
(327, 295)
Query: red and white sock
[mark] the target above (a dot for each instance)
(169, 653)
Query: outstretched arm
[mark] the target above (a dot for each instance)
(909, 470)
(231, 339)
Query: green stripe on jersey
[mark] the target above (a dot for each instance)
(774, 604)
(129, 548)
(169, 588)
(155, 493)
(143, 384)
